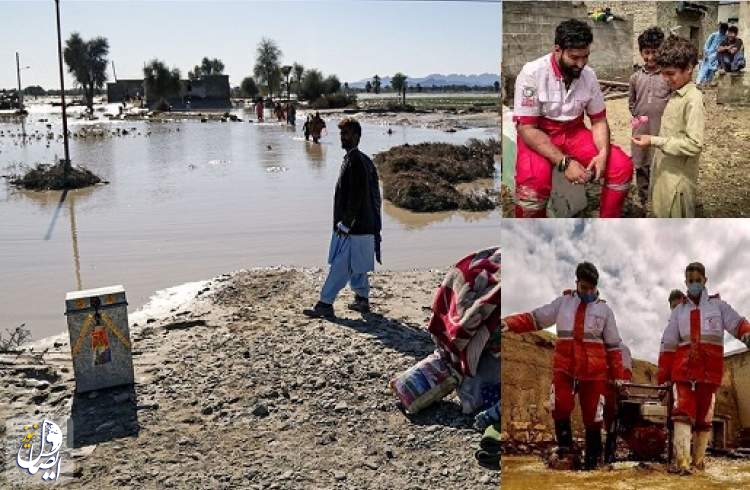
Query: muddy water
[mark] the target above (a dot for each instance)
(190, 200)
(527, 472)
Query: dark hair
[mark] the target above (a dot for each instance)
(351, 123)
(695, 267)
(675, 294)
(586, 271)
(573, 34)
(733, 29)
(651, 38)
(677, 52)
(723, 26)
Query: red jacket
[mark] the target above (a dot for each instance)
(588, 342)
(692, 346)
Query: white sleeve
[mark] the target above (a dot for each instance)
(526, 98)
(546, 316)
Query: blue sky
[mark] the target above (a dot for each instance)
(351, 38)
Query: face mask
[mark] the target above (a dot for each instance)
(695, 288)
(588, 297)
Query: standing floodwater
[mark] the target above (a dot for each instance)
(189, 200)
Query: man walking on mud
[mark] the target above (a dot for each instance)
(551, 96)
(587, 355)
(355, 243)
(691, 358)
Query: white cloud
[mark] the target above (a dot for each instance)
(639, 260)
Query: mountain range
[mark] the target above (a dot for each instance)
(438, 80)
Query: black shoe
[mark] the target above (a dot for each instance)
(593, 449)
(320, 310)
(610, 448)
(360, 304)
(564, 434)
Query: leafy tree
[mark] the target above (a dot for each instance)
(368, 87)
(497, 86)
(267, 69)
(298, 70)
(195, 73)
(248, 88)
(346, 87)
(376, 84)
(398, 82)
(160, 81)
(419, 87)
(212, 66)
(331, 85)
(313, 85)
(87, 62)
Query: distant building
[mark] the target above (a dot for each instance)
(124, 90)
(729, 12)
(207, 92)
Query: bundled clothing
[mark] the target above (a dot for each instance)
(649, 95)
(678, 149)
(465, 318)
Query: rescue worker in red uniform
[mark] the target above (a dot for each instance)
(691, 358)
(587, 355)
(551, 95)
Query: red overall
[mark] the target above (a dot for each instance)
(534, 172)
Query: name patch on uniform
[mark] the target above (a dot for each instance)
(529, 94)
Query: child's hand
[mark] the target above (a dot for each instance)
(642, 141)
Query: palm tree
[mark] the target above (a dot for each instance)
(299, 70)
(376, 84)
(87, 62)
(267, 64)
(286, 70)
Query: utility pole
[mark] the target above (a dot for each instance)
(114, 73)
(18, 74)
(66, 164)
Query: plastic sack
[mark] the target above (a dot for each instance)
(481, 391)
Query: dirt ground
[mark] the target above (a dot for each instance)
(526, 472)
(724, 176)
(237, 389)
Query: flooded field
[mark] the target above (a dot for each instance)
(523, 472)
(189, 200)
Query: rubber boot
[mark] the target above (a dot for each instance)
(610, 447)
(593, 449)
(699, 449)
(681, 448)
(564, 435)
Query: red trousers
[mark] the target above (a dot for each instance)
(695, 406)
(590, 396)
(534, 172)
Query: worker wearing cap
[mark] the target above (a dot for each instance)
(552, 94)
(692, 359)
(587, 355)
